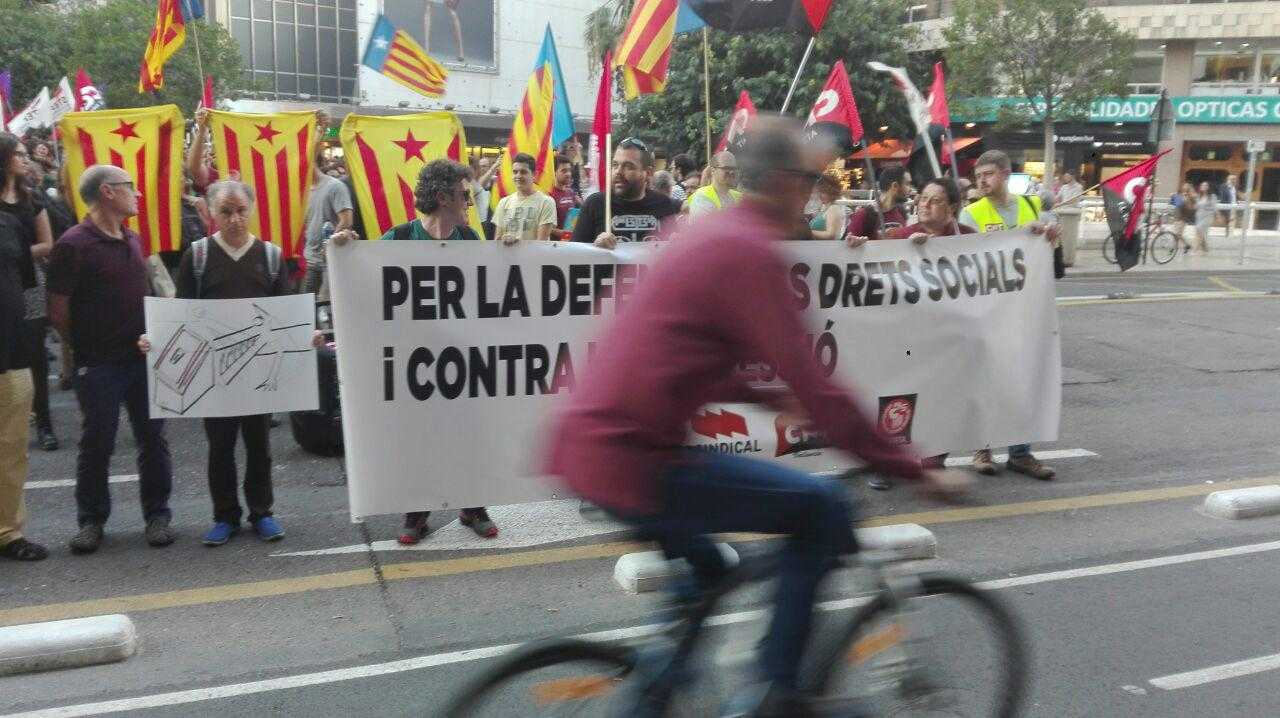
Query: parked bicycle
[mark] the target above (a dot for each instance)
(918, 643)
(1163, 244)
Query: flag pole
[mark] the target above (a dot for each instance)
(706, 88)
(951, 151)
(875, 185)
(607, 160)
(799, 70)
(195, 39)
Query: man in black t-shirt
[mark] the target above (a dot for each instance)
(638, 214)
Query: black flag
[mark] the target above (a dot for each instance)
(1123, 198)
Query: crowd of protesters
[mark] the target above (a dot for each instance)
(87, 281)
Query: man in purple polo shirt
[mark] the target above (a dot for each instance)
(97, 279)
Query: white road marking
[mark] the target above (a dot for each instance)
(1189, 679)
(443, 659)
(544, 522)
(55, 483)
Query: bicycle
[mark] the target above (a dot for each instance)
(878, 659)
(1162, 247)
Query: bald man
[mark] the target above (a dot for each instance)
(722, 192)
(97, 281)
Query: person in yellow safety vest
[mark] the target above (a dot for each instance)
(994, 211)
(722, 191)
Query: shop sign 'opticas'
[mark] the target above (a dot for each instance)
(1232, 109)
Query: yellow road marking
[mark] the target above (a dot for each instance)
(1224, 284)
(541, 557)
(1180, 298)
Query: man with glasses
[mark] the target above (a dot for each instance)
(722, 192)
(97, 281)
(442, 198)
(639, 214)
(713, 300)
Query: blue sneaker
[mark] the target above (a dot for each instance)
(219, 534)
(268, 529)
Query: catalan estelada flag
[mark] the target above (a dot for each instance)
(167, 36)
(533, 130)
(644, 51)
(272, 153)
(384, 156)
(146, 143)
(394, 54)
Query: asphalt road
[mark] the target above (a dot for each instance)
(1163, 397)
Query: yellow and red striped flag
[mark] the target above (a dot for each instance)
(644, 51)
(272, 153)
(146, 143)
(531, 134)
(167, 36)
(394, 54)
(384, 156)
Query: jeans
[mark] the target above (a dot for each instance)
(1019, 450)
(35, 330)
(101, 390)
(221, 432)
(708, 494)
(313, 281)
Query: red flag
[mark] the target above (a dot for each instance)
(743, 114)
(87, 96)
(206, 98)
(938, 111)
(602, 125)
(834, 113)
(1123, 199)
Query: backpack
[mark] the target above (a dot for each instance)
(200, 260)
(192, 226)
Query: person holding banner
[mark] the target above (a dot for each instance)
(722, 191)
(639, 215)
(97, 283)
(565, 195)
(442, 198)
(618, 441)
(936, 210)
(995, 211)
(831, 219)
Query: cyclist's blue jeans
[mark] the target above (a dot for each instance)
(712, 493)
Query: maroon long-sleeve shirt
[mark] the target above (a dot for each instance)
(716, 297)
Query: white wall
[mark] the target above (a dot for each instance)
(520, 27)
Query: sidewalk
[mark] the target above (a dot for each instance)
(1262, 253)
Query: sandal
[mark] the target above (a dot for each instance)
(23, 550)
(415, 527)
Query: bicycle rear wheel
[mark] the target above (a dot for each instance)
(564, 677)
(1164, 247)
(1109, 249)
(951, 650)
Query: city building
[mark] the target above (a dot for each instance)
(305, 54)
(1220, 64)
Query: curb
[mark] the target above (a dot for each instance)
(1244, 503)
(647, 571)
(66, 644)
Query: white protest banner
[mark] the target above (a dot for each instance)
(62, 101)
(452, 356)
(231, 357)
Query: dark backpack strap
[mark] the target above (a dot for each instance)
(1031, 205)
(275, 258)
(199, 260)
(404, 231)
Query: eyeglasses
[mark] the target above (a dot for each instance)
(728, 170)
(633, 143)
(128, 184)
(807, 175)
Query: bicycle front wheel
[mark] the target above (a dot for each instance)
(1109, 250)
(565, 677)
(950, 650)
(1164, 247)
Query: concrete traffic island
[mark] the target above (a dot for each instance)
(648, 571)
(66, 644)
(1244, 503)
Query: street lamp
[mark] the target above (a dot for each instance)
(1161, 127)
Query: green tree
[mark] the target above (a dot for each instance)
(1057, 55)
(42, 43)
(763, 64)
